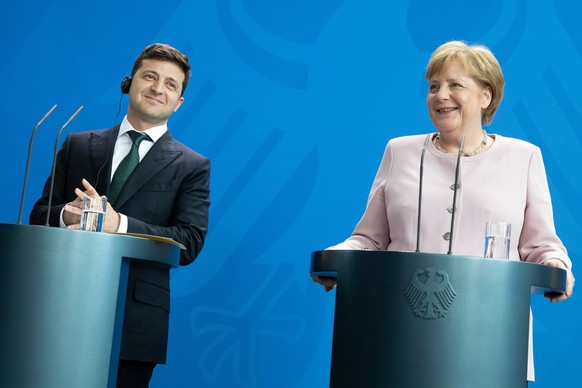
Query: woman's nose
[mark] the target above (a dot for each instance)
(442, 93)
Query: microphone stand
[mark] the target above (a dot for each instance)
(28, 161)
(420, 191)
(450, 252)
(50, 197)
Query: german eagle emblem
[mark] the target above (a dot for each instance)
(430, 293)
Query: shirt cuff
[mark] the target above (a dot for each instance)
(122, 223)
(61, 221)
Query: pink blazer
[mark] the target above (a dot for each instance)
(506, 183)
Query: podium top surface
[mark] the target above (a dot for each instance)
(30, 239)
(350, 263)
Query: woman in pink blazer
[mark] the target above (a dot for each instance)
(499, 178)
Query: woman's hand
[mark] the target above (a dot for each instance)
(327, 282)
(558, 297)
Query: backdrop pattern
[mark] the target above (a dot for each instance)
(293, 101)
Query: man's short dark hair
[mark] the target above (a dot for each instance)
(164, 52)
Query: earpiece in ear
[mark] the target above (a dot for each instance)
(125, 85)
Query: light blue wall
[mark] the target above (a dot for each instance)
(293, 100)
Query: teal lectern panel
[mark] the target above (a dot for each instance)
(407, 320)
(62, 302)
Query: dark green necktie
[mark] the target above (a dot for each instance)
(126, 166)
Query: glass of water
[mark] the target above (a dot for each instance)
(497, 240)
(93, 213)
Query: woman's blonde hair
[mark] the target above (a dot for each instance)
(479, 63)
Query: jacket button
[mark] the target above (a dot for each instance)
(453, 186)
(450, 209)
(447, 236)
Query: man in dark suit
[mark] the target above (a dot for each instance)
(166, 194)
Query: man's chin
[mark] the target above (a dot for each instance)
(146, 120)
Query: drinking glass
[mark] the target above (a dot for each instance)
(497, 240)
(93, 213)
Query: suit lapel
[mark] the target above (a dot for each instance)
(101, 153)
(159, 156)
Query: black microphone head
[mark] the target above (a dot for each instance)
(125, 85)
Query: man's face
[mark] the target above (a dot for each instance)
(155, 93)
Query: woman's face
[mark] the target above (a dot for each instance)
(455, 101)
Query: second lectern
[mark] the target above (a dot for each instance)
(405, 320)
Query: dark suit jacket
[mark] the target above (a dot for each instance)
(166, 195)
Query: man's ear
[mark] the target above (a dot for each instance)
(180, 101)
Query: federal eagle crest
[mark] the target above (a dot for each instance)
(430, 293)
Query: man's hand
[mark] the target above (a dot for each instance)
(72, 212)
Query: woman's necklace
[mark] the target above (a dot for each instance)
(437, 144)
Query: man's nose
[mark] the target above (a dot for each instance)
(157, 87)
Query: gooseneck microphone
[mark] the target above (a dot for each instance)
(47, 114)
(50, 196)
(420, 192)
(455, 188)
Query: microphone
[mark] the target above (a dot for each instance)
(47, 114)
(420, 191)
(50, 196)
(455, 187)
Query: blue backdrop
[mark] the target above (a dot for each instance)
(293, 101)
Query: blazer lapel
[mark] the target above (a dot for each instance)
(159, 156)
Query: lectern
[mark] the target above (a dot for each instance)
(62, 302)
(407, 320)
